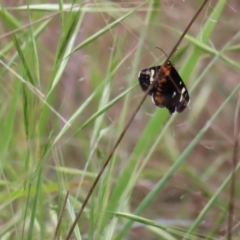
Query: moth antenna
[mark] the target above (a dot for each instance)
(162, 51)
(165, 53)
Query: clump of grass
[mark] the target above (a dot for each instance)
(56, 131)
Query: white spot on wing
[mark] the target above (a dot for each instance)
(174, 94)
(153, 100)
(152, 74)
(180, 98)
(183, 94)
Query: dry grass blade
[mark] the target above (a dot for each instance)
(234, 165)
(37, 92)
(128, 124)
(61, 216)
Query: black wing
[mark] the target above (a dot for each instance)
(146, 76)
(182, 97)
(169, 91)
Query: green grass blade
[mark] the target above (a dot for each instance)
(8, 126)
(34, 208)
(204, 36)
(66, 46)
(9, 19)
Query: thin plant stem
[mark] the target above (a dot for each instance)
(233, 179)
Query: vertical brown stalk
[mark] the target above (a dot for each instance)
(60, 216)
(233, 178)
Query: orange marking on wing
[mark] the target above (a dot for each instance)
(163, 80)
(158, 100)
(159, 89)
(166, 70)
